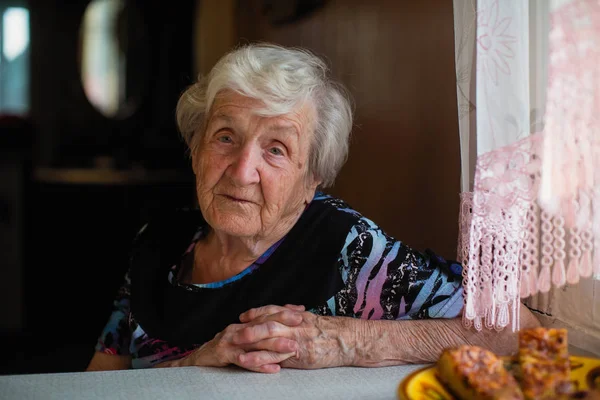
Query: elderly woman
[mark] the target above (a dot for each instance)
(270, 272)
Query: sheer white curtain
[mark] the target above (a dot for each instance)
(528, 90)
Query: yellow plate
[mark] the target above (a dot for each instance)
(423, 383)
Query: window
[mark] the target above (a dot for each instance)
(14, 60)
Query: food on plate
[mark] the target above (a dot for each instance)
(545, 370)
(471, 372)
(541, 370)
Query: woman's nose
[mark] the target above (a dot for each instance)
(244, 169)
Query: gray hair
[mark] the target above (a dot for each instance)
(283, 79)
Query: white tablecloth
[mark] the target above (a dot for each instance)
(209, 383)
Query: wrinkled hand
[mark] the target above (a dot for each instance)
(322, 341)
(260, 355)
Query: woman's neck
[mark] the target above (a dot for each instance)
(220, 256)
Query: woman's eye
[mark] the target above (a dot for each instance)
(276, 151)
(224, 139)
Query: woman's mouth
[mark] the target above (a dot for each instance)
(235, 199)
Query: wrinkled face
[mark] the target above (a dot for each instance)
(251, 170)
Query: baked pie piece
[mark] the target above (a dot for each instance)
(544, 363)
(471, 372)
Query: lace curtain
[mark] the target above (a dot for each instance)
(528, 90)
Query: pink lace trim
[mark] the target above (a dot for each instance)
(533, 219)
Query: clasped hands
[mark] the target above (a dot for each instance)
(272, 337)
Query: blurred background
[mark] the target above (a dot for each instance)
(89, 146)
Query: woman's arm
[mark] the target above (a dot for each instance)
(340, 341)
(108, 362)
(112, 348)
(381, 343)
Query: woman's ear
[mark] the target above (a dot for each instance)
(311, 188)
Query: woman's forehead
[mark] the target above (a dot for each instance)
(232, 98)
(230, 106)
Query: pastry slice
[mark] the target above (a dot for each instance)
(471, 372)
(544, 363)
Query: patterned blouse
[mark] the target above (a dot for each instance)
(383, 279)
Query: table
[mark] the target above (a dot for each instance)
(209, 383)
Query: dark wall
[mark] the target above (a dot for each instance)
(397, 59)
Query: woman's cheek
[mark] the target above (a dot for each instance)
(212, 168)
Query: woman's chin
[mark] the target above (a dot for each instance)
(241, 233)
(235, 226)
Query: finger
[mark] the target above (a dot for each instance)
(286, 317)
(270, 368)
(265, 369)
(256, 359)
(258, 332)
(230, 355)
(259, 311)
(279, 345)
(295, 307)
(238, 357)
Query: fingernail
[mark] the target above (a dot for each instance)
(242, 358)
